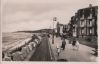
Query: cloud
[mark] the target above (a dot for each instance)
(38, 14)
(27, 26)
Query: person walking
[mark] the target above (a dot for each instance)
(73, 43)
(63, 44)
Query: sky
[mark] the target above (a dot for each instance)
(19, 15)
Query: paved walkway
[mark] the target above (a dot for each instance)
(83, 54)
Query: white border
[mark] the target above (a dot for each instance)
(28, 62)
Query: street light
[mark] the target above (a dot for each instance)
(54, 19)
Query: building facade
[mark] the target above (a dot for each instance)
(84, 23)
(87, 22)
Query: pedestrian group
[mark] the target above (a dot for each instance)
(74, 42)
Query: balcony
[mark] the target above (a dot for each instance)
(90, 25)
(82, 24)
(82, 18)
(90, 16)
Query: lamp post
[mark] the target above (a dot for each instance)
(54, 19)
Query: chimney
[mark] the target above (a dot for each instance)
(90, 5)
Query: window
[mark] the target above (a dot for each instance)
(85, 22)
(82, 16)
(82, 31)
(82, 23)
(90, 16)
(93, 31)
(87, 31)
(90, 31)
(93, 21)
(90, 23)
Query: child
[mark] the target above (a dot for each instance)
(58, 49)
(77, 45)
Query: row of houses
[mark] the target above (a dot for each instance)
(83, 23)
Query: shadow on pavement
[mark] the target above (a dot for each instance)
(62, 60)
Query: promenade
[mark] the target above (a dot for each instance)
(84, 54)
